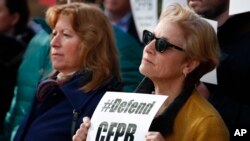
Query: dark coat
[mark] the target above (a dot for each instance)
(11, 51)
(51, 117)
(129, 62)
(133, 31)
(230, 96)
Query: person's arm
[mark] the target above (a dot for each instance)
(81, 133)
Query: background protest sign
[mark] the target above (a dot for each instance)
(211, 77)
(165, 3)
(124, 116)
(145, 15)
(239, 6)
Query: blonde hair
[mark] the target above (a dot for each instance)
(98, 51)
(201, 39)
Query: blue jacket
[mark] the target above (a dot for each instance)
(51, 116)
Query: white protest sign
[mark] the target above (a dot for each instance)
(239, 6)
(124, 116)
(145, 15)
(211, 77)
(213, 23)
(165, 3)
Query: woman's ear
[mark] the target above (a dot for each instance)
(190, 65)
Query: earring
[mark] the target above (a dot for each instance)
(185, 75)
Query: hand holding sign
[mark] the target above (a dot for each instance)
(81, 133)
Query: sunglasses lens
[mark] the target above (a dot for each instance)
(161, 45)
(147, 37)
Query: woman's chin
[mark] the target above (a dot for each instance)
(57, 67)
(144, 70)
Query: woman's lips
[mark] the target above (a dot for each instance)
(147, 60)
(56, 55)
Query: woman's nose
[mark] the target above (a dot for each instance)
(55, 41)
(149, 48)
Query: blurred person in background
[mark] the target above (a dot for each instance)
(14, 37)
(15, 14)
(230, 95)
(85, 64)
(120, 14)
(34, 66)
(127, 41)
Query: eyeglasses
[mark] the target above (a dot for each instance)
(161, 44)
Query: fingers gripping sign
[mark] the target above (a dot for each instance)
(81, 133)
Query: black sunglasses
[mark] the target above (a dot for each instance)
(161, 44)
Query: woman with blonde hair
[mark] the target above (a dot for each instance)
(182, 48)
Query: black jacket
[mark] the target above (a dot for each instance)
(230, 96)
(11, 51)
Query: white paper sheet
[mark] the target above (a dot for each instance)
(165, 3)
(239, 6)
(145, 15)
(210, 77)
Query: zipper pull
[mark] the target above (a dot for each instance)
(74, 121)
